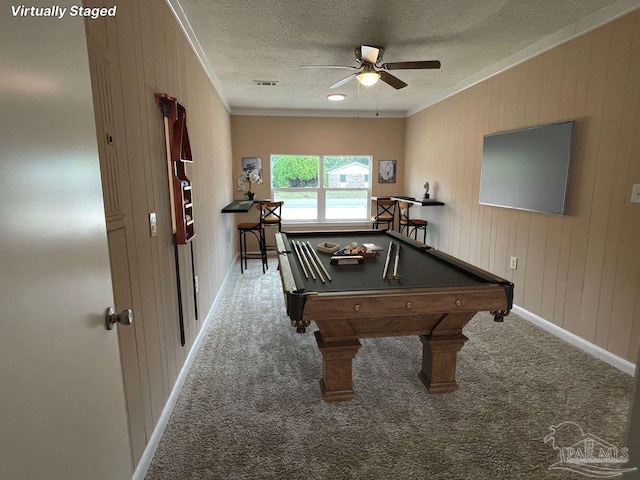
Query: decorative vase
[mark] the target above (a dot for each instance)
(250, 195)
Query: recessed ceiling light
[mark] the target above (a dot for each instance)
(336, 97)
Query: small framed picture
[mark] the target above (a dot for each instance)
(252, 163)
(387, 171)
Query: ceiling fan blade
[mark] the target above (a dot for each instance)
(411, 65)
(329, 66)
(389, 79)
(369, 54)
(339, 83)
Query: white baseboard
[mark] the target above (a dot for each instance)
(592, 349)
(158, 431)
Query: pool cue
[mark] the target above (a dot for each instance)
(193, 275)
(295, 248)
(313, 261)
(386, 262)
(395, 267)
(304, 257)
(319, 261)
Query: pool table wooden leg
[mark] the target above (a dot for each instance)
(439, 358)
(336, 382)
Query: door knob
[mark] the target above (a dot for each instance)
(125, 317)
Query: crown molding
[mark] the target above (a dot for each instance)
(284, 112)
(582, 26)
(182, 20)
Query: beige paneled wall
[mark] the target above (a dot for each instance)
(134, 55)
(580, 271)
(255, 136)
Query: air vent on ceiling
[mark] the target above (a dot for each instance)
(265, 83)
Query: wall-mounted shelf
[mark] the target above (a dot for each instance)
(178, 155)
(425, 202)
(176, 139)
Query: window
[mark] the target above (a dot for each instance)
(322, 188)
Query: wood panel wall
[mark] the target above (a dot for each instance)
(134, 55)
(580, 271)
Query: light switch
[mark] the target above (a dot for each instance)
(153, 226)
(635, 193)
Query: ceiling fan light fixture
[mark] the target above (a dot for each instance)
(368, 78)
(336, 97)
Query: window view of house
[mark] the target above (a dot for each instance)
(322, 188)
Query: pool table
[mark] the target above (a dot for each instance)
(432, 294)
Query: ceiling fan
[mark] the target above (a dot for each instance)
(370, 70)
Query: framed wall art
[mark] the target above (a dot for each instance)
(250, 164)
(387, 171)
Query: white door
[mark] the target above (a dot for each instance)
(62, 408)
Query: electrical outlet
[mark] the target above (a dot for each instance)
(513, 263)
(196, 283)
(635, 193)
(153, 225)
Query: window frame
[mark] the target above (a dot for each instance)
(321, 191)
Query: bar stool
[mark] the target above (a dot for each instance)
(257, 229)
(271, 216)
(385, 213)
(411, 224)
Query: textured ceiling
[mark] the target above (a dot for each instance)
(246, 40)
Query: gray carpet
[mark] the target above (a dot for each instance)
(251, 405)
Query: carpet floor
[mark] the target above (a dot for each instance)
(251, 406)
